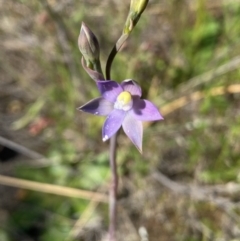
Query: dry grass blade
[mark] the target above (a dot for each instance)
(52, 189)
(198, 95)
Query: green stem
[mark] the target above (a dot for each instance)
(113, 152)
(113, 53)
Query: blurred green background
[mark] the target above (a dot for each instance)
(186, 56)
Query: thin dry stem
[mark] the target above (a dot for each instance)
(52, 189)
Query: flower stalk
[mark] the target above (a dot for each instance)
(121, 103)
(113, 189)
(129, 25)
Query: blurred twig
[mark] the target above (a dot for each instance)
(198, 95)
(195, 96)
(20, 149)
(206, 77)
(202, 193)
(231, 65)
(81, 222)
(205, 193)
(52, 189)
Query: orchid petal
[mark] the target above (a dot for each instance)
(134, 130)
(112, 123)
(132, 87)
(144, 110)
(98, 106)
(109, 89)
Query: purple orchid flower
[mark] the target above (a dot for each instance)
(122, 105)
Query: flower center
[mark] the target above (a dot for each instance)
(124, 101)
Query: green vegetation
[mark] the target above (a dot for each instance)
(197, 144)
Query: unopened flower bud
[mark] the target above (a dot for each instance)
(136, 9)
(88, 45)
